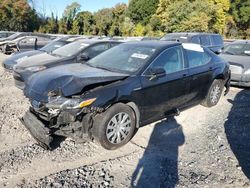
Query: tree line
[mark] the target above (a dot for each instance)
(230, 18)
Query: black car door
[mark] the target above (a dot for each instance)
(164, 93)
(200, 70)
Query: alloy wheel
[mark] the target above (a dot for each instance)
(118, 128)
(215, 94)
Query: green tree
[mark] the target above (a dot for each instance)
(221, 8)
(185, 15)
(69, 15)
(17, 15)
(240, 12)
(83, 23)
(140, 11)
(118, 18)
(127, 27)
(139, 30)
(103, 21)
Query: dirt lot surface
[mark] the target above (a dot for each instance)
(203, 147)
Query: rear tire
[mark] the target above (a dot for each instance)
(115, 127)
(214, 94)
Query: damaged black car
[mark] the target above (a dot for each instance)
(134, 84)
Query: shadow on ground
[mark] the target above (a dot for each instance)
(158, 166)
(237, 129)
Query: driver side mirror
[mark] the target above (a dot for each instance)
(84, 57)
(218, 52)
(156, 72)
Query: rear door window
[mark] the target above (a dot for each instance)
(197, 58)
(205, 40)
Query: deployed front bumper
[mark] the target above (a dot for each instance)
(37, 129)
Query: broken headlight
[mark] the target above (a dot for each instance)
(36, 68)
(67, 104)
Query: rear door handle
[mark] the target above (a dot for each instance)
(184, 75)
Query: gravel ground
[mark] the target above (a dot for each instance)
(203, 147)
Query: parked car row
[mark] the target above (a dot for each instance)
(12, 42)
(104, 90)
(20, 42)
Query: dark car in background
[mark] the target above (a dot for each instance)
(75, 52)
(25, 43)
(9, 63)
(238, 55)
(210, 40)
(122, 89)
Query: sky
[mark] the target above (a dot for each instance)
(58, 6)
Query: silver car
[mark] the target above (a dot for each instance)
(238, 55)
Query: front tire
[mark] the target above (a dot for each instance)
(214, 94)
(115, 127)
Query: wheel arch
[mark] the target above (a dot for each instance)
(134, 107)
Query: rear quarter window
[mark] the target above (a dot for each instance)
(196, 58)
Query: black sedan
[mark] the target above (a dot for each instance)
(122, 89)
(9, 63)
(75, 52)
(238, 55)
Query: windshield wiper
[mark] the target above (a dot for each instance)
(104, 68)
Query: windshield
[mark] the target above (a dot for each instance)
(234, 49)
(70, 49)
(53, 46)
(124, 58)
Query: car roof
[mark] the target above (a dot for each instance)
(192, 33)
(95, 41)
(154, 43)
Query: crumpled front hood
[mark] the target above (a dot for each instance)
(69, 79)
(38, 60)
